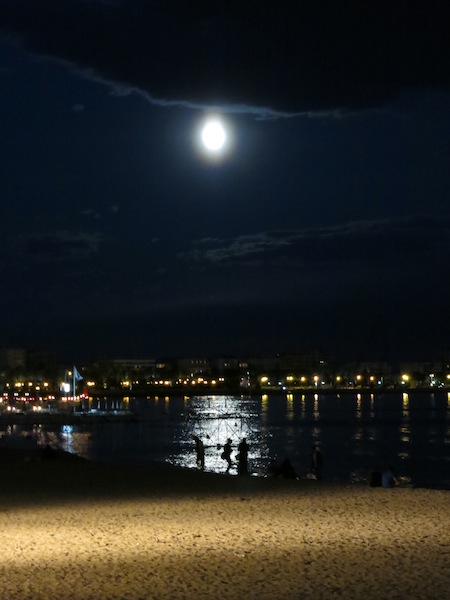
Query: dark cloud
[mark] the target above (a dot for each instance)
(287, 56)
(405, 239)
(63, 245)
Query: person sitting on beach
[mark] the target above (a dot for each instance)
(375, 477)
(242, 457)
(388, 480)
(226, 454)
(200, 452)
(47, 453)
(284, 469)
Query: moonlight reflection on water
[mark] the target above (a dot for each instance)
(215, 420)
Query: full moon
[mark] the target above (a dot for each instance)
(213, 136)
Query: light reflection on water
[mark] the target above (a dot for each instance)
(215, 419)
(355, 431)
(358, 406)
(74, 441)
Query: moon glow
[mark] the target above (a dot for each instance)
(213, 136)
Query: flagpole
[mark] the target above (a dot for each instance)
(73, 374)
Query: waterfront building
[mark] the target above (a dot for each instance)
(13, 358)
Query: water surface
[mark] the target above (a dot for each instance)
(354, 431)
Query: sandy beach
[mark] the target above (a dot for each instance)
(74, 529)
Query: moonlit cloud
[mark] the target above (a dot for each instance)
(404, 239)
(269, 59)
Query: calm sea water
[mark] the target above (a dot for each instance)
(354, 431)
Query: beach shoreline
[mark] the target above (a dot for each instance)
(72, 528)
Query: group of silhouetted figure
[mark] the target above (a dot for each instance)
(226, 452)
(283, 469)
(379, 477)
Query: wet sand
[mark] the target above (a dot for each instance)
(74, 529)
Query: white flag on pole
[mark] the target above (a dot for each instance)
(76, 374)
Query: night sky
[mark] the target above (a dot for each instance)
(324, 227)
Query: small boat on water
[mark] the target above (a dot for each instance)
(105, 415)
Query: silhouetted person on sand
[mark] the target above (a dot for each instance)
(284, 469)
(48, 453)
(243, 449)
(388, 480)
(375, 477)
(316, 462)
(226, 454)
(200, 452)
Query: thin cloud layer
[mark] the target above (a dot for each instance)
(408, 239)
(267, 57)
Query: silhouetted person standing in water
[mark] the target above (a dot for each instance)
(226, 454)
(200, 451)
(243, 449)
(317, 462)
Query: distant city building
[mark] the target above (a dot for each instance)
(301, 363)
(129, 364)
(193, 367)
(41, 361)
(264, 365)
(368, 368)
(223, 364)
(289, 371)
(13, 358)
(420, 367)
